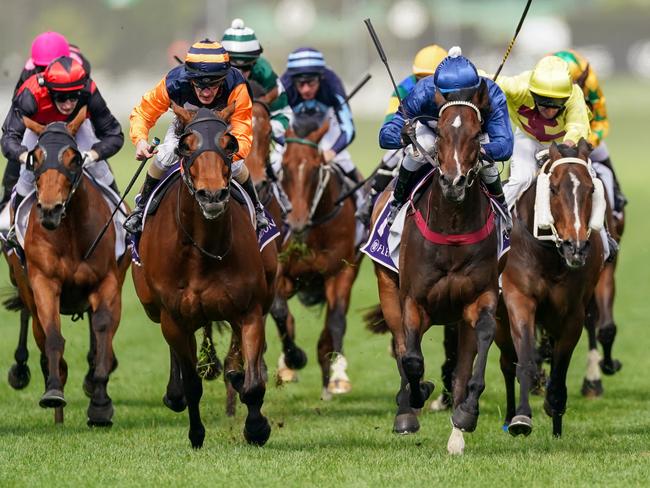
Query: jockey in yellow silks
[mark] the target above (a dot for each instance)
(584, 76)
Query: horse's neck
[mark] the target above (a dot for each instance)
(454, 218)
(212, 235)
(79, 208)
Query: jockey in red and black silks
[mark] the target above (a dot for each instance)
(58, 94)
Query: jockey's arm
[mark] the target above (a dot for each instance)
(346, 124)
(154, 103)
(577, 117)
(241, 126)
(599, 120)
(107, 128)
(13, 128)
(497, 126)
(420, 101)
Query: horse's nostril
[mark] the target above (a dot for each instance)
(460, 180)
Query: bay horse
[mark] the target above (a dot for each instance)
(445, 277)
(201, 263)
(67, 216)
(550, 282)
(319, 263)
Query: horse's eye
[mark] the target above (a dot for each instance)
(183, 148)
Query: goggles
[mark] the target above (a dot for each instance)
(548, 102)
(61, 97)
(206, 82)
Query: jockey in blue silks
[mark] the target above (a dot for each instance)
(455, 75)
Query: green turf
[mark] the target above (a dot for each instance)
(347, 441)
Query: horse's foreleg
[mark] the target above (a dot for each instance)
(234, 370)
(521, 312)
(507, 360)
(592, 385)
(183, 343)
(51, 342)
(606, 327)
(450, 343)
(556, 393)
(337, 293)
(293, 357)
(174, 398)
(19, 374)
(256, 428)
(413, 325)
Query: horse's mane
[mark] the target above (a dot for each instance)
(307, 122)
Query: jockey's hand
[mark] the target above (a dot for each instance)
(23, 157)
(142, 150)
(328, 155)
(569, 143)
(90, 156)
(408, 132)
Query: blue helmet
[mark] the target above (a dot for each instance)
(305, 61)
(456, 72)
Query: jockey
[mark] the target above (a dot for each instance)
(545, 106)
(206, 79)
(46, 47)
(58, 94)
(245, 55)
(312, 87)
(425, 63)
(583, 74)
(456, 75)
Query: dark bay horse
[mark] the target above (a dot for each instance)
(550, 282)
(320, 262)
(68, 215)
(442, 279)
(201, 263)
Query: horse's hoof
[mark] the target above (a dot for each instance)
(406, 423)
(100, 415)
(196, 437)
(286, 375)
(52, 399)
(88, 386)
(339, 387)
(295, 358)
(441, 403)
(463, 420)
(19, 376)
(610, 368)
(325, 395)
(592, 389)
(257, 433)
(456, 442)
(177, 404)
(520, 425)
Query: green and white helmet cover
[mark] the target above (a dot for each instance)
(240, 41)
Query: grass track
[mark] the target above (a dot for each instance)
(347, 441)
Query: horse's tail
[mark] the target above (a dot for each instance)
(12, 301)
(375, 321)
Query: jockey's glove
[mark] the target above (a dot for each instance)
(407, 132)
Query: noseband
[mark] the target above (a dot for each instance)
(54, 141)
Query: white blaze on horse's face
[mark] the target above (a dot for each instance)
(457, 122)
(576, 213)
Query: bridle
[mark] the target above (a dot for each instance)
(208, 130)
(54, 141)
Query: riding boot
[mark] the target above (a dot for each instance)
(285, 203)
(403, 187)
(377, 184)
(113, 186)
(260, 217)
(496, 191)
(619, 198)
(133, 223)
(11, 239)
(613, 247)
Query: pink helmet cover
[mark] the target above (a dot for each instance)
(48, 46)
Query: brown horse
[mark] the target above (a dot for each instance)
(201, 263)
(320, 262)
(68, 215)
(550, 282)
(442, 280)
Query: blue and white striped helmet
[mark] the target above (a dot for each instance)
(456, 72)
(305, 61)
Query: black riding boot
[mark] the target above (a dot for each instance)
(9, 180)
(403, 187)
(262, 221)
(378, 182)
(133, 223)
(495, 189)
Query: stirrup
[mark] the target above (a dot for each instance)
(11, 241)
(133, 223)
(395, 207)
(261, 220)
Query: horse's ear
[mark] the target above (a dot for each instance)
(439, 98)
(226, 113)
(318, 134)
(33, 125)
(74, 124)
(584, 148)
(482, 96)
(554, 152)
(184, 115)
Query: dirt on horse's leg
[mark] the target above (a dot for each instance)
(256, 428)
(556, 393)
(521, 311)
(606, 327)
(183, 343)
(413, 324)
(48, 335)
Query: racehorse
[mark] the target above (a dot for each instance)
(447, 271)
(68, 214)
(201, 263)
(320, 261)
(550, 282)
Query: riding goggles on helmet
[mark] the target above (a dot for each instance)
(61, 97)
(548, 102)
(207, 81)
